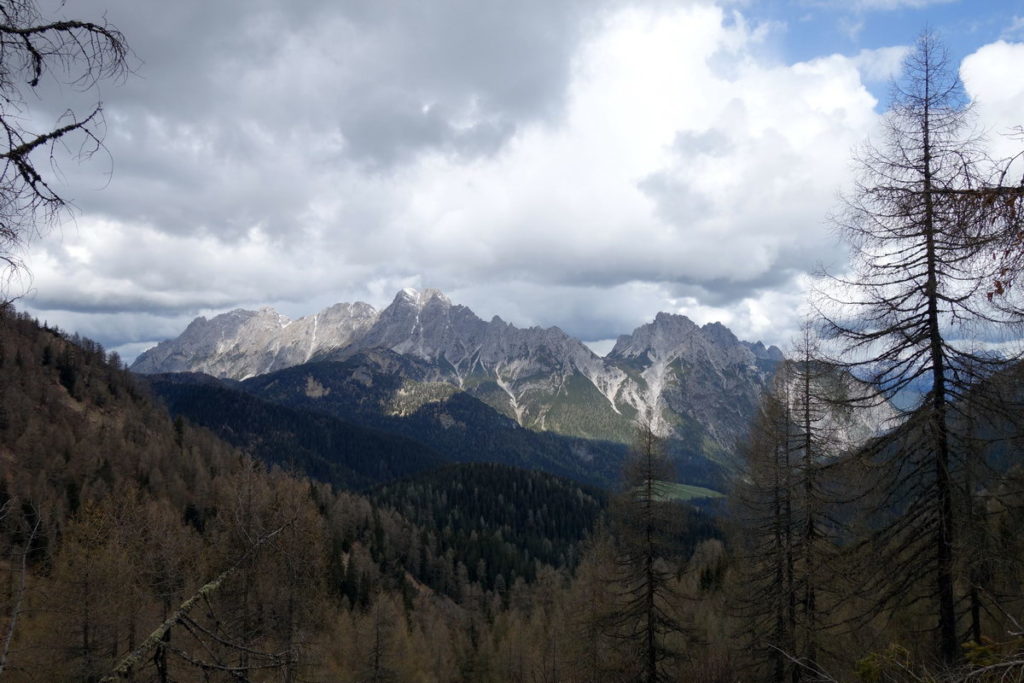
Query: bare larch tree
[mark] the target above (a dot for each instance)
(922, 254)
(34, 49)
(783, 499)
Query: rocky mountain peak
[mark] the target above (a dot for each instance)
(357, 309)
(655, 339)
(421, 298)
(671, 369)
(405, 314)
(717, 333)
(765, 353)
(242, 343)
(671, 335)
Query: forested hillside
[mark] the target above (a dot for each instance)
(326, 448)
(114, 514)
(499, 521)
(365, 388)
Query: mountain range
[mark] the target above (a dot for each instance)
(698, 385)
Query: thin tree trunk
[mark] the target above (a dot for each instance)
(810, 532)
(16, 608)
(940, 434)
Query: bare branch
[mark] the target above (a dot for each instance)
(133, 659)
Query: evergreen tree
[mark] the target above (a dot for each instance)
(788, 501)
(646, 612)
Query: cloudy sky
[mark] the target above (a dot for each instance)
(580, 163)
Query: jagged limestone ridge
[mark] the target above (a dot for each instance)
(695, 382)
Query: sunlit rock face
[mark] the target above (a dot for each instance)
(241, 344)
(694, 382)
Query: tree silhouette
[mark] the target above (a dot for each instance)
(922, 263)
(33, 49)
(645, 521)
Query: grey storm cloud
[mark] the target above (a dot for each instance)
(388, 75)
(285, 96)
(676, 201)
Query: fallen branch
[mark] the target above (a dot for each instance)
(124, 667)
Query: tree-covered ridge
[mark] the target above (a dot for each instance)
(460, 427)
(74, 425)
(116, 518)
(111, 514)
(326, 448)
(500, 521)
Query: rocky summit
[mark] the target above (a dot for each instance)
(699, 385)
(241, 344)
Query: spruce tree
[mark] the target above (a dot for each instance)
(646, 611)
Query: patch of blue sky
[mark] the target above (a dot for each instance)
(806, 29)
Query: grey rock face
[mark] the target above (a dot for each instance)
(242, 344)
(425, 325)
(689, 375)
(516, 371)
(694, 383)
